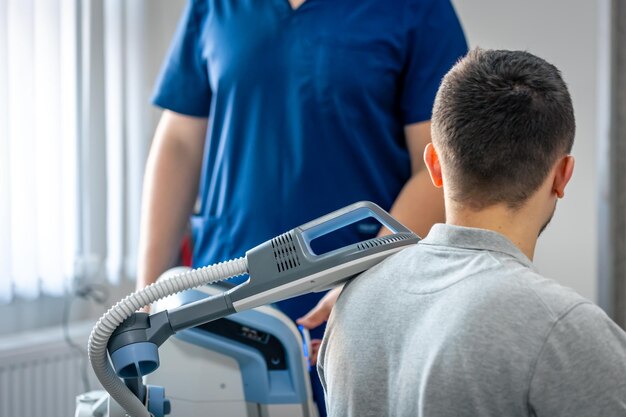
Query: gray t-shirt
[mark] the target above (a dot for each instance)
(463, 325)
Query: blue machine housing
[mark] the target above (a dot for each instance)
(278, 383)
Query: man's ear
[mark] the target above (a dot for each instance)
(431, 159)
(563, 173)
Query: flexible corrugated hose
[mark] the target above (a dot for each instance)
(107, 324)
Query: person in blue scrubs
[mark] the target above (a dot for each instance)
(280, 111)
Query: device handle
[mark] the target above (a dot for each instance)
(347, 216)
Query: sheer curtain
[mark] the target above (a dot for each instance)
(38, 146)
(75, 127)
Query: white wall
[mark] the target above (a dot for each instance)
(564, 32)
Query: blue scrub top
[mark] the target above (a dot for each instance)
(306, 108)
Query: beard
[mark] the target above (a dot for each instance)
(545, 225)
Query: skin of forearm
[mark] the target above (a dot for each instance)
(170, 189)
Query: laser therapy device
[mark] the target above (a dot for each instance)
(283, 267)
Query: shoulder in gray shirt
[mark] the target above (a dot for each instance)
(463, 325)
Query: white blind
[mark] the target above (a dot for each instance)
(75, 127)
(38, 146)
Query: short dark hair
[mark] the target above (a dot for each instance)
(500, 121)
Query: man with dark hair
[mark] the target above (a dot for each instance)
(463, 324)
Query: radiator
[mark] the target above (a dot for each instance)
(40, 375)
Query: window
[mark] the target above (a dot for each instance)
(75, 128)
(38, 146)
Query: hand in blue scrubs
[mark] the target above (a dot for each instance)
(302, 111)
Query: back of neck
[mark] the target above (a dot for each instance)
(513, 224)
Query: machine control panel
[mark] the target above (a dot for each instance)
(268, 345)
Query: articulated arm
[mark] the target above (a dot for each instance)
(281, 268)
